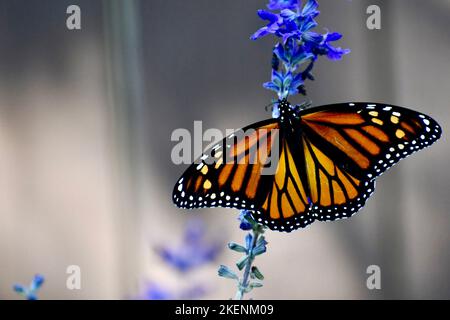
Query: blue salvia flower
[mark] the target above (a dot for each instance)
(332, 52)
(272, 27)
(299, 44)
(30, 292)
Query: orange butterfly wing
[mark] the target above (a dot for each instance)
(327, 159)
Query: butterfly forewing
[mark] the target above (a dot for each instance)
(229, 174)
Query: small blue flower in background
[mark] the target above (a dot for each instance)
(194, 251)
(30, 292)
(154, 291)
(299, 45)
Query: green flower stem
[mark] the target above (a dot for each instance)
(243, 284)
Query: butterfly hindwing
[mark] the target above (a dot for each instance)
(286, 205)
(335, 193)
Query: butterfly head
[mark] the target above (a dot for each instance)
(284, 107)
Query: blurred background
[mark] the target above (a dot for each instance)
(86, 175)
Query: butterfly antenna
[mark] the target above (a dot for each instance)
(269, 107)
(304, 105)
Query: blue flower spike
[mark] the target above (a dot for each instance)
(30, 292)
(299, 45)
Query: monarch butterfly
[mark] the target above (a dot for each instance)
(328, 159)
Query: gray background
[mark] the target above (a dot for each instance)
(85, 124)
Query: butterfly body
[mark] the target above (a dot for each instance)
(313, 164)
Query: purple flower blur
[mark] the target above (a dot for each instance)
(193, 252)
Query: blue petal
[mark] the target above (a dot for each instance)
(271, 86)
(277, 77)
(290, 35)
(282, 4)
(226, 272)
(248, 241)
(297, 81)
(19, 289)
(302, 57)
(291, 26)
(37, 282)
(287, 80)
(281, 53)
(310, 8)
(288, 15)
(260, 246)
(312, 37)
(267, 15)
(333, 36)
(336, 53)
(307, 24)
(260, 33)
(32, 296)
